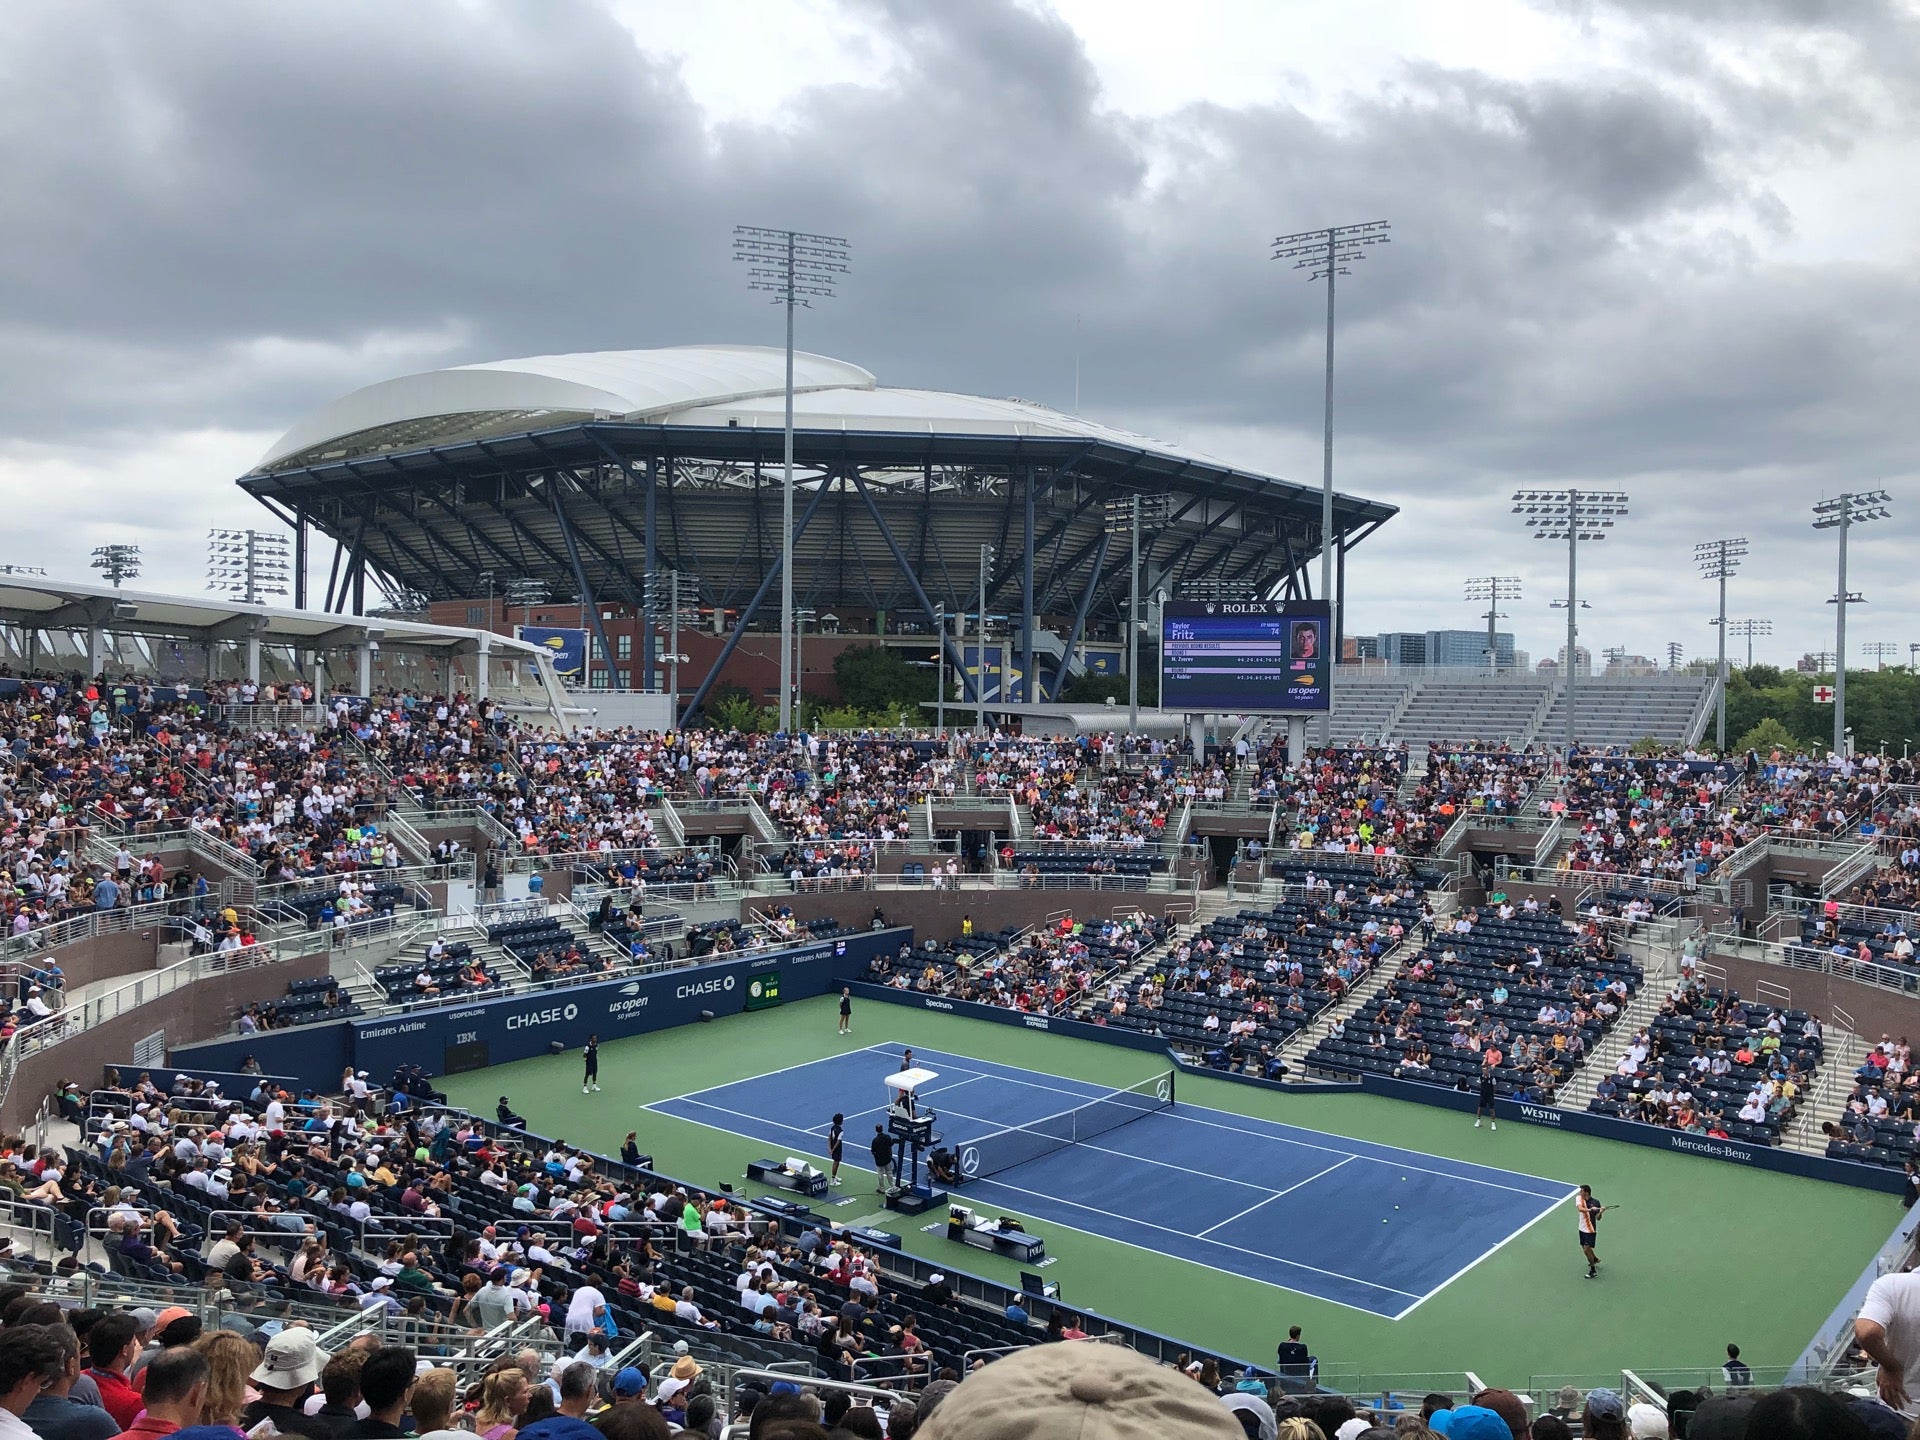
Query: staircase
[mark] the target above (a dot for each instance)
(1639, 1013)
(1846, 1053)
(1350, 1004)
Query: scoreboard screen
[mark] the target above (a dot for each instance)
(1244, 655)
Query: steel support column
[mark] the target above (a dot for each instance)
(913, 581)
(648, 649)
(1032, 680)
(752, 606)
(300, 559)
(587, 600)
(1080, 613)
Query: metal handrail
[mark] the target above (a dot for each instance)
(768, 1378)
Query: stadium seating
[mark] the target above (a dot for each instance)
(1537, 961)
(1710, 1096)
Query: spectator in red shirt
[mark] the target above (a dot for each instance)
(111, 1346)
(176, 1390)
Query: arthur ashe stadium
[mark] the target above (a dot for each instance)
(369, 1016)
(589, 472)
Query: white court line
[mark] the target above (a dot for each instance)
(709, 1105)
(1096, 1234)
(1218, 1244)
(1275, 1195)
(764, 1074)
(882, 1109)
(1187, 1112)
(1497, 1245)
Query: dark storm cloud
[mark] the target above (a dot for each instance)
(223, 215)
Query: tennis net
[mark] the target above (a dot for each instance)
(1017, 1144)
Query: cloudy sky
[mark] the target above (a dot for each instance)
(1664, 246)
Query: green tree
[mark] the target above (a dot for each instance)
(1767, 736)
(1094, 689)
(734, 709)
(879, 678)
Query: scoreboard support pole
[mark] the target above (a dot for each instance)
(1297, 738)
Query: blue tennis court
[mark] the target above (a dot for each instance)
(1367, 1226)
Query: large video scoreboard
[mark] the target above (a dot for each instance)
(1244, 655)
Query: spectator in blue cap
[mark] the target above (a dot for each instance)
(629, 1384)
(1471, 1422)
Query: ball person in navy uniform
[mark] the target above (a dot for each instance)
(591, 1054)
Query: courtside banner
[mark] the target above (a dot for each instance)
(517, 1027)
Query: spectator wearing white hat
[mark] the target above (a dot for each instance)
(285, 1378)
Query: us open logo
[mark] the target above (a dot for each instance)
(632, 987)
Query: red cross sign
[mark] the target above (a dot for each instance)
(1823, 694)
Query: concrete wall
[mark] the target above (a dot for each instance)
(193, 1012)
(1875, 1011)
(106, 957)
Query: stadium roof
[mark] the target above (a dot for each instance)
(593, 474)
(53, 604)
(725, 386)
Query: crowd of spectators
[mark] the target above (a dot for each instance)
(1513, 993)
(1711, 1064)
(1044, 970)
(1092, 788)
(1677, 817)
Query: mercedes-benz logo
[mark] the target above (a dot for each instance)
(970, 1160)
(1164, 1090)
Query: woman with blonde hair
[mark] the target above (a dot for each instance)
(503, 1400)
(1298, 1427)
(230, 1359)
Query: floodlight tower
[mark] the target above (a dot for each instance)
(119, 562)
(1749, 629)
(1842, 513)
(1571, 515)
(1676, 652)
(980, 649)
(1881, 651)
(1717, 559)
(796, 268)
(1323, 254)
(250, 565)
(1494, 591)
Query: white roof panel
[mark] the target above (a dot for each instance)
(629, 384)
(716, 385)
